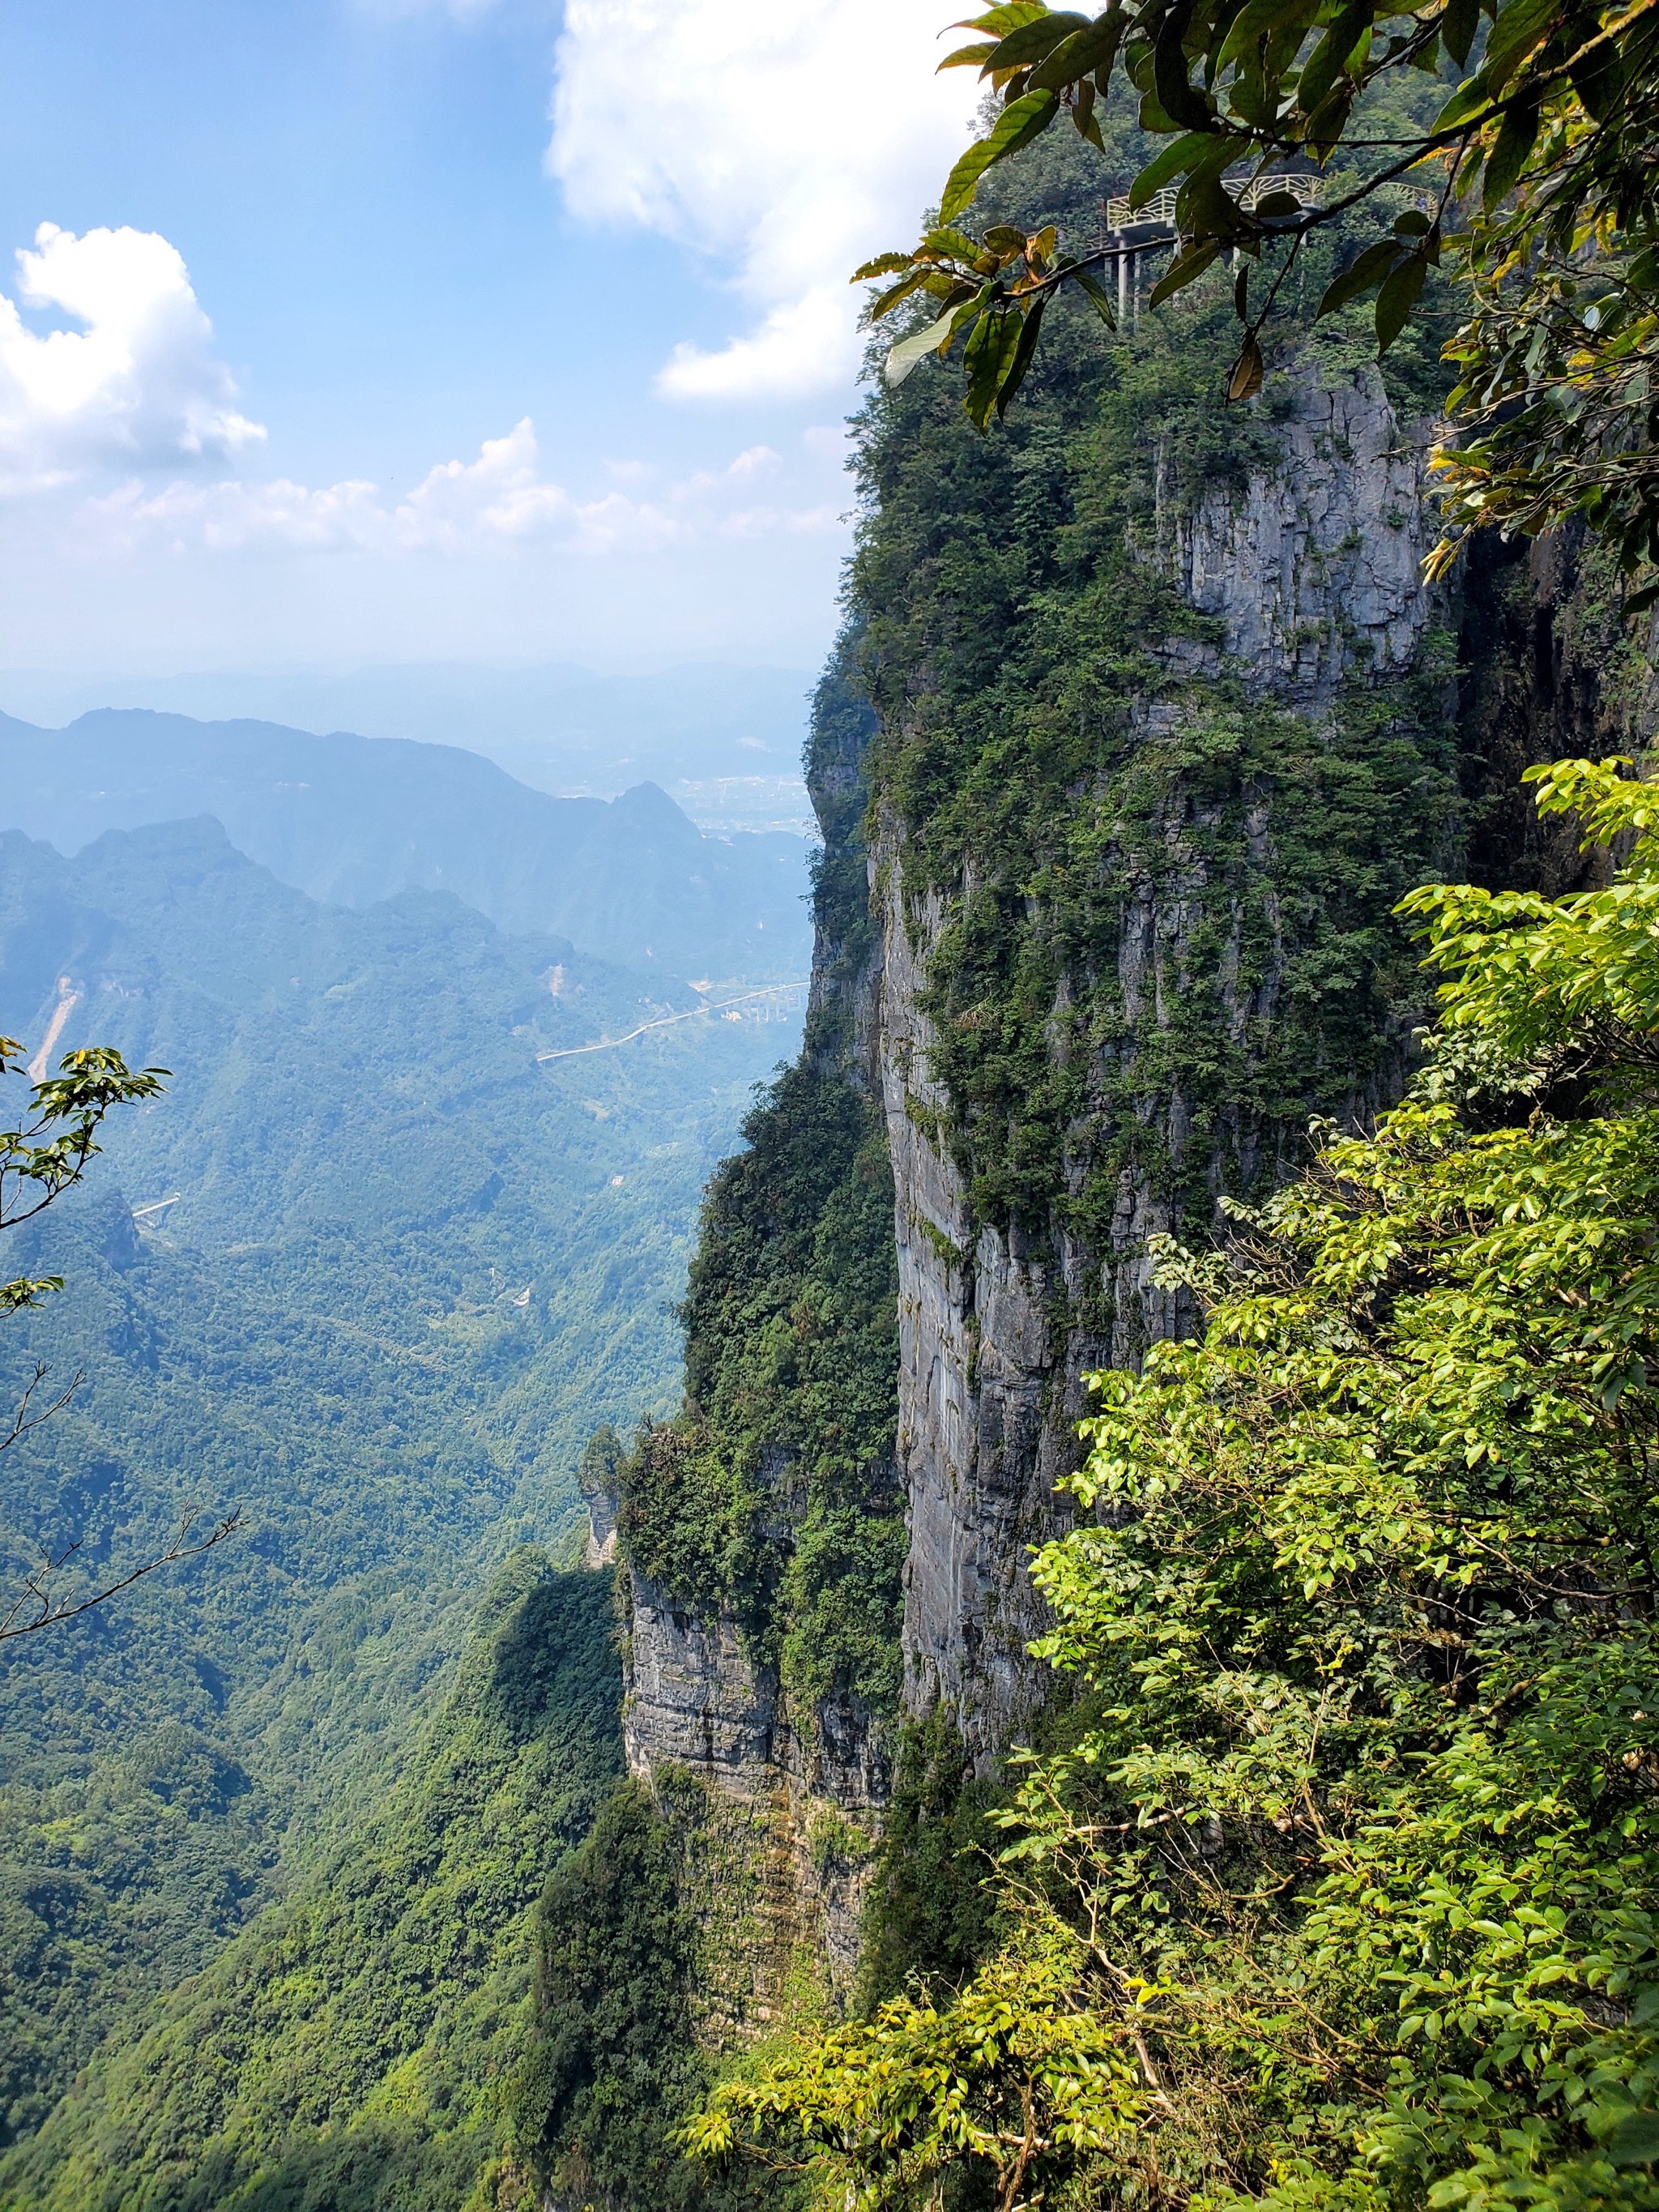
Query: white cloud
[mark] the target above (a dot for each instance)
(138, 384)
(492, 504)
(789, 139)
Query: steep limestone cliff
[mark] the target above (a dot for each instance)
(1310, 569)
(1283, 628)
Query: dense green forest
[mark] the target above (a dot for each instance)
(329, 1330)
(357, 2047)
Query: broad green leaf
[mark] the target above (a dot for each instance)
(1204, 206)
(1187, 104)
(1097, 296)
(1154, 117)
(992, 348)
(1635, 2140)
(1468, 100)
(1090, 48)
(1014, 375)
(1457, 28)
(1258, 18)
(884, 302)
(947, 241)
(1599, 81)
(1517, 30)
(933, 339)
(1018, 123)
(1333, 50)
(1373, 265)
(1249, 372)
(969, 56)
(1171, 162)
(1083, 118)
(1033, 41)
(884, 264)
(1397, 298)
(1190, 263)
(998, 22)
(1508, 158)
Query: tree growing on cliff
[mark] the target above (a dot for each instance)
(1529, 178)
(1357, 1854)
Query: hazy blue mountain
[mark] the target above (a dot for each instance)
(352, 820)
(725, 742)
(372, 1271)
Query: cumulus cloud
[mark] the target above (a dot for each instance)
(787, 143)
(500, 500)
(137, 385)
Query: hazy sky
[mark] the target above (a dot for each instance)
(364, 330)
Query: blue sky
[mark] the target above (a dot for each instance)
(391, 330)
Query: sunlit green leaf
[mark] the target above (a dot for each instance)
(1016, 126)
(1366, 272)
(1034, 40)
(1515, 139)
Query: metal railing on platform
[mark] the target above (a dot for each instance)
(1160, 208)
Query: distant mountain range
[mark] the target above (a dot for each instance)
(725, 742)
(352, 820)
(372, 1269)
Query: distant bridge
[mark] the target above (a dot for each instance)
(1131, 232)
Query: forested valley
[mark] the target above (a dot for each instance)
(1029, 1586)
(389, 1246)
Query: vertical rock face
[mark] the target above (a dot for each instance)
(1314, 571)
(787, 1816)
(1310, 573)
(987, 1396)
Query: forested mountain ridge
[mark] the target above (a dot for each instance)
(725, 741)
(388, 1271)
(352, 820)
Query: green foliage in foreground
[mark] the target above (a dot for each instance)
(48, 1152)
(355, 2049)
(1533, 181)
(927, 1913)
(1349, 1895)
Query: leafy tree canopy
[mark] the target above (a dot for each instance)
(1347, 1895)
(1529, 172)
